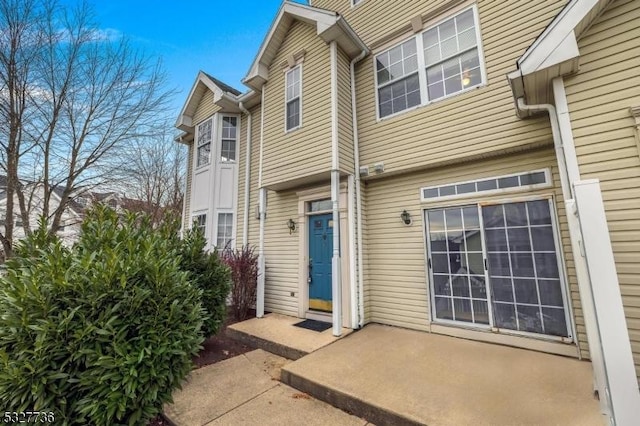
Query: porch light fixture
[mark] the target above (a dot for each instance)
(291, 225)
(406, 217)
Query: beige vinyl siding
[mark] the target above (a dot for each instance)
(254, 224)
(281, 254)
(307, 150)
(396, 283)
(206, 108)
(186, 220)
(599, 98)
(345, 122)
(469, 124)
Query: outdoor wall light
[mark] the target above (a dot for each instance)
(406, 217)
(291, 225)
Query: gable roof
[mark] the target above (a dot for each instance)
(555, 52)
(330, 26)
(221, 92)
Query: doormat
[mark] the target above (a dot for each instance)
(314, 325)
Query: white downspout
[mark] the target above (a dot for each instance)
(356, 167)
(262, 208)
(247, 177)
(582, 271)
(336, 282)
(353, 288)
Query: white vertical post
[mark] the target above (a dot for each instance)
(336, 282)
(621, 383)
(261, 262)
(352, 251)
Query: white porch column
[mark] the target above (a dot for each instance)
(336, 273)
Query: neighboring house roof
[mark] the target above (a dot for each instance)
(330, 26)
(555, 52)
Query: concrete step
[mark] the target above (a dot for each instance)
(277, 334)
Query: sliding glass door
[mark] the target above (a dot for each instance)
(496, 266)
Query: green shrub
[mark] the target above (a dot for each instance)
(244, 275)
(99, 334)
(209, 274)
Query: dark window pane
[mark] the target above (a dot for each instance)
(454, 240)
(522, 265)
(529, 319)
(475, 263)
(505, 315)
(487, 185)
(431, 193)
(515, 214)
(466, 188)
(386, 109)
(436, 220)
(454, 218)
(554, 321)
(532, 178)
(478, 287)
(471, 218)
(447, 190)
(499, 265)
(501, 289)
(480, 312)
(453, 85)
(539, 212)
(440, 263)
(508, 182)
(460, 285)
(436, 90)
(438, 241)
(455, 263)
(473, 242)
(550, 292)
(463, 310)
(526, 291)
(543, 238)
(519, 239)
(384, 94)
(493, 217)
(441, 285)
(546, 265)
(443, 308)
(496, 240)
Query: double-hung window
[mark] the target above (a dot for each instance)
(293, 113)
(229, 139)
(439, 62)
(225, 230)
(200, 223)
(204, 144)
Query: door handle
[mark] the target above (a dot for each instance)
(310, 270)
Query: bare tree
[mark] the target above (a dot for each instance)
(155, 177)
(73, 100)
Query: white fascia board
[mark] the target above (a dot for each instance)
(183, 111)
(322, 19)
(547, 50)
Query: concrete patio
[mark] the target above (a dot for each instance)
(386, 376)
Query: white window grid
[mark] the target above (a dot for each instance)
(204, 143)
(522, 181)
(225, 231)
(293, 98)
(229, 140)
(458, 67)
(200, 222)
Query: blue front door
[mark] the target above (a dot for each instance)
(320, 251)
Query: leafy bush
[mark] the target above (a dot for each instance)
(102, 333)
(244, 275)
(208, 273)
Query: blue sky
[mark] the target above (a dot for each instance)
(216, 36)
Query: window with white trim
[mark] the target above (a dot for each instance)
(355, 2)
(293, 112)
(446, 57)
(225, 231)
(497, 266)
(200, 223)
(229, 139)
(204, 144)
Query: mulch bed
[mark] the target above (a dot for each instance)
(215, 349)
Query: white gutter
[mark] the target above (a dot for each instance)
(356, 167)
(262, 207)
(247, 176)
(580, 264)
(336, 279)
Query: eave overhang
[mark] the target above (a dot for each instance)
(330, 26)
(554, 53)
